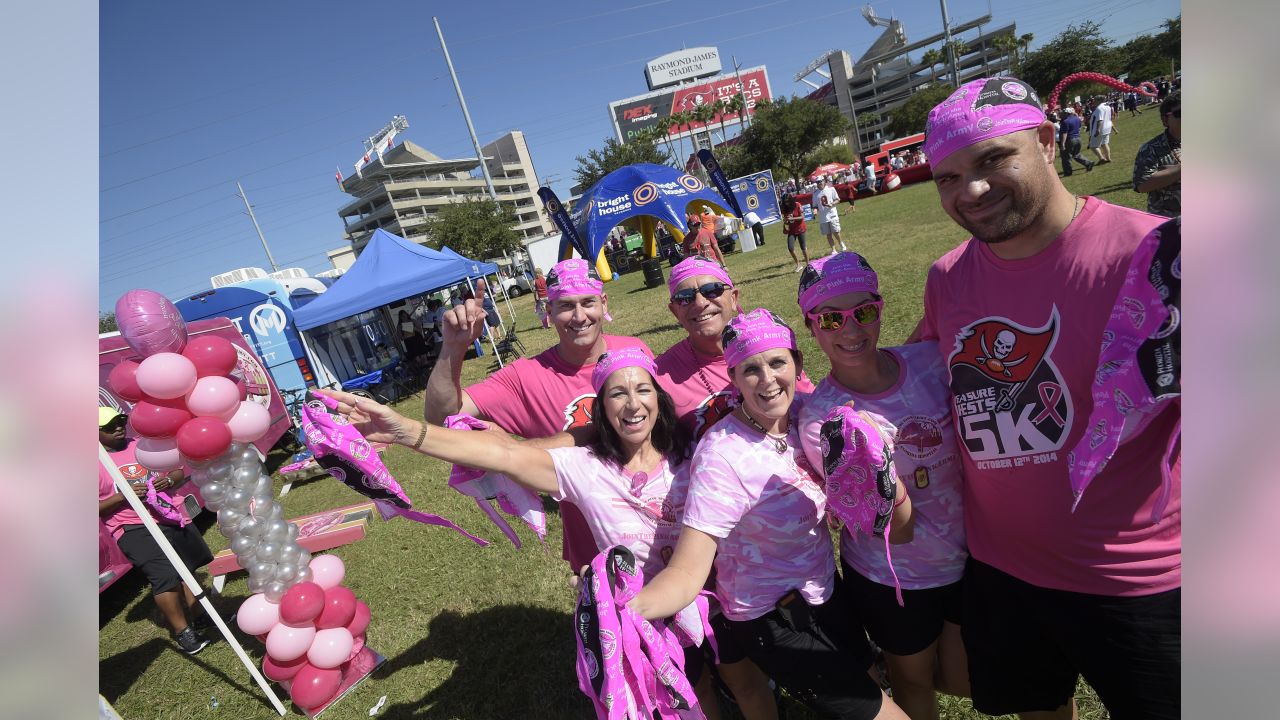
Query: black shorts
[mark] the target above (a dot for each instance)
(1027, 645)
(727, 651)
(137, 545)
(491, 319)
(901, 629)
(819, 655)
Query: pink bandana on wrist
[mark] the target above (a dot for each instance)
(833, 276)
(164, 505)
(513, 498)
(754, 332)
(1140, 366)
(342, 451)
(615, 360)
(857, 458)
(980, 110)
(628, 666)
(693, 267)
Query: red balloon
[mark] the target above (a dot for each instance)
(359, 621)
(155, 418)
(302, 603)
(122, 382)
(211, 355)
(339, 608)
(313, 686)
(203, 438)
(278, 671)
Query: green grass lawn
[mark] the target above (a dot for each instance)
(484, 633)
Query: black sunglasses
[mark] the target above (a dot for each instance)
(115, 424)
(710, 291)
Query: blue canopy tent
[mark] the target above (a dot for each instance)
(638, 197)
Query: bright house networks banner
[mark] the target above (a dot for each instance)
(756, 193)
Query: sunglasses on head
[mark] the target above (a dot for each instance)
(710, 291)
(868, 313)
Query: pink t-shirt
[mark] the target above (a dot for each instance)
(768, 511)
(1021, 340)
(640, 510)
(927, 462)
(699, 386)
(539, 397)
(133, 472)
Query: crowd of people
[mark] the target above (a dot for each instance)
(706, 460)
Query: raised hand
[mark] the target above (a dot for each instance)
(462, 325)
(377, 422)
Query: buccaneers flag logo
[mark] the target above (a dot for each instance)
(1010, 399)
(578, 412)
(712, 409)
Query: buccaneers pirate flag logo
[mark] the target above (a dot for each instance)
(1009, 397)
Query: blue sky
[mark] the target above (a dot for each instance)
(280, 94)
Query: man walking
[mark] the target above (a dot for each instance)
(1069, 140)
(1100, 128)
(828, 209)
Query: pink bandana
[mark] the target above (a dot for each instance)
(513, 498)
(574, 277)
(342, 451)
(693, 267)
(755, 332)
(628, 666)
(164, 505)
(833, 276)
(857, 456)
(615, 360)
(980, 110)
(1141, 361)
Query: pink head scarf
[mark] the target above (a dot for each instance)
(574, 277)
(833, 276)
(755, 332)
(980, 110)
(857, 458)
(693, 267)
(615, 360)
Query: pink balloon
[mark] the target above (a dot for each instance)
(157, 454)
(302, 603)
(313, 686)
(150, 323)
(280, 671)
(287, 642)
(330, 648)
(360, 620)
(339, 608)
(166, 376)
(156, 418)
(211, 355)
(327, 571)
(203, 438)
(240, 386)
(357, 644)
(123, 381)
(213, 396)
(250, 422)
(257, 615)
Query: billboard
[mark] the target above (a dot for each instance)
(635, 114)
(682, 65)
(756, 194)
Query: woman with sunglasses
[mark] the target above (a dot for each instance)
(703, 301)
(906, 386)
(630, 483)
(756, 510)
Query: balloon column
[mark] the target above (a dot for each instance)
(188, 410)
(1145, 88)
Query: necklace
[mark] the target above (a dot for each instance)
(701, 375)
(779, 441)
(1077, 204)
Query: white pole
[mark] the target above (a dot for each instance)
(484, 167)
(123, 487)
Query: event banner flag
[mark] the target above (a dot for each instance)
(756, 193)
(635, 114)
(718, 179)
(561, 218)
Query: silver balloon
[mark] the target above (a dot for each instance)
(238, 499)
(263, 486)
(275, 590)
(262, 569)
(213, 492)
(248, 458)
(262, 506)
(286, 573)
(304, 560)
(277, 512)
(244, 478)
(221, 469)
(290, 553)
(253, 527)
(293, 532)
(242, 545)
(277, 531)
(259, 584)
(268, 552)
(303, 575)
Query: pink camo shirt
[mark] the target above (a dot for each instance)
(768, 511)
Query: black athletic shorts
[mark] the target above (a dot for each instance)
(901, 629)
(1027, 645)
(727, 651)
(137, 545)
(819, 655)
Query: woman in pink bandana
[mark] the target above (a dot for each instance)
(630, 483)
(756, 511)
(905, 389)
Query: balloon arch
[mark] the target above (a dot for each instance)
(1145, 87)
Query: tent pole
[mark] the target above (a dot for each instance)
(488, 334)
(122, 487)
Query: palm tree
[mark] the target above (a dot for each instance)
(933, 57)
(704, 114)
(723, 108)
(958, 48)
(1025, 42)
(678, 121)
(1008, 45)
(738, 104)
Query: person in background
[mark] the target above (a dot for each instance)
(493, 322)
(171, 595)
(1100, 129)
(869, 170)
(540, 298)
(1157, 170)
(827, 208)
(415, 343)
(793, 217)
(752, 220)
(1069, 141)
(705, 243)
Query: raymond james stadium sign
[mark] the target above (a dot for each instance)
(682, 65)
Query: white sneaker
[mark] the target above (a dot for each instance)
(798, 267)
(843, 248)
(833, 252)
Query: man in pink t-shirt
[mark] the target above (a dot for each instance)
(543, 395)
(703, 301)
(1019, 311)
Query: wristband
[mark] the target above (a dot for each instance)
(421, 436)
(900, 500)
